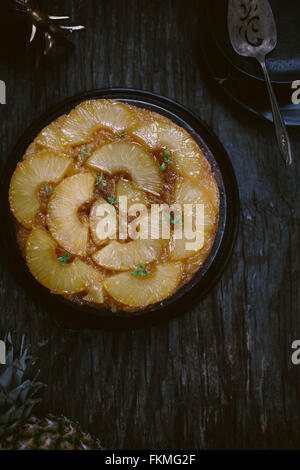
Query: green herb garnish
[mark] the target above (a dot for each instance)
(64, 259)
(141, 271)
(99, 180)
(120, 135)
(46, 190)
(176, 220)
(221, 80)
(85, 154)
(167, 159)
(113, 201)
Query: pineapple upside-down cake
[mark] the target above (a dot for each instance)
(100, 153)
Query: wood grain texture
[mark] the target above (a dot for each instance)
(219, 376)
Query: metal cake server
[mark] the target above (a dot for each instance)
(252, 32)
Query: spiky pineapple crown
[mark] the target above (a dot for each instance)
(44, 28)
(18, 387)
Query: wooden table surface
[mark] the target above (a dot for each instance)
(219, 376)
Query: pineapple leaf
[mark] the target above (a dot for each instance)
(10, 356)
(22, 346)
(8, 338)
(3, 398)
(6, 377)
(7, 415)
(18, 388)
(16, 393)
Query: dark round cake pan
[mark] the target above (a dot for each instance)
(74, 316)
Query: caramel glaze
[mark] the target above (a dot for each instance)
(99, 138)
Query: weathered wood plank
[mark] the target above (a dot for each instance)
(220, 376)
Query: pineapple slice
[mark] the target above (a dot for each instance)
(42, 261)
(95, 218)
(30, 174)
(178, 248)
(134, 196)
(187, 192)
(63, 221)
(130, 158)
(95, 294)
(140, 291)
(51, 137)
(188, 158)
(210, 186)
(124, 256)
(89, 116)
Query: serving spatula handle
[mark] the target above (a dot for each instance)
(281, 132)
